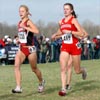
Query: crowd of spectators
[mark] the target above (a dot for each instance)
(48, 50)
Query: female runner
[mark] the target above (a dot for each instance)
(70, 31)
(26, 30)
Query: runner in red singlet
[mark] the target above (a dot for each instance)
(26, 30)
(70, 31)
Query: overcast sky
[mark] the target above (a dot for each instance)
(49, 10)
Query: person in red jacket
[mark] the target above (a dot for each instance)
(2, 43)
(26, 30)
(71, 32)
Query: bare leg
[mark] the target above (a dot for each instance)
(76, 64)
(20, 57)
(69, 71)
(78, 69)
(64, 57)
(33, 62)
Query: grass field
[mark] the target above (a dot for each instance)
(81, 90)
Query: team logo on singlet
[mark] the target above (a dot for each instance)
(20, 29)
(65, 26)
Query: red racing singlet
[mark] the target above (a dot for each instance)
(25, 37)
(71, 27)
(70, 43)
(22, 33)
(26, 40)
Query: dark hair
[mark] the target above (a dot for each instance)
(72, 8)
(15, 36)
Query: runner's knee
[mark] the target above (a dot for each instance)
(17, 67)
(77, 71)
(34, 69)
(63, 69)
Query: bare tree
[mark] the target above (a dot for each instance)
(48, 29)
(91, 28)
(6, 29)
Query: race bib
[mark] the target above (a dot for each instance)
(32, 49)
(78, 44)
(22, 37)
(67, 38)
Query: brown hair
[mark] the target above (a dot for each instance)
(72, 8)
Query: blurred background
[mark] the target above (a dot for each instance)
(46, 14)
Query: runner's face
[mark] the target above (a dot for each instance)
(22, 12)
(67, 10)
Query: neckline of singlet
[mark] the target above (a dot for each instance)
(69, 20)
(24, 21)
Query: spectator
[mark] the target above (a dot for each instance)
(2, 43)
(16, 40)
(43, 49)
